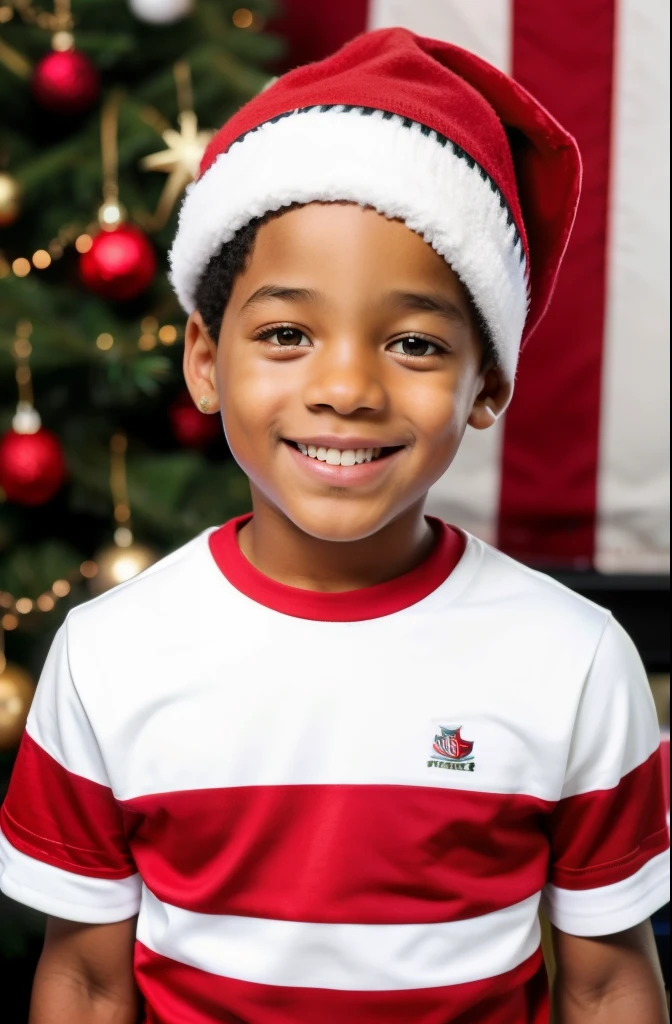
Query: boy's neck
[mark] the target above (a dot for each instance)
(275, 546)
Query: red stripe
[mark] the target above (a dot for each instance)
(346, 606)
(340, 854)
(665, 766)
(175, 993)
(564, 54)
(606, 836)
(63, 819)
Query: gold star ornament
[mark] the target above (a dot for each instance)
(180, 161)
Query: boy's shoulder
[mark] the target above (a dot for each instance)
(533, 599)
(159, 593)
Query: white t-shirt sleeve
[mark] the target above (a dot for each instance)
(609, 865)
(62, 842)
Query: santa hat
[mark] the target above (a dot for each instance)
(419, 130)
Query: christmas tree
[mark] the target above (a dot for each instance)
(104, 463)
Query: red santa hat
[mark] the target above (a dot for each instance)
(422, 131)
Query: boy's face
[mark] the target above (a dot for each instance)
(345, 331)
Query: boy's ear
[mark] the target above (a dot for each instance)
(200, 363)
(491, 401)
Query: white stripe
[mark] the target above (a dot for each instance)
(468, 494)
(481, 26)
(57, 720)
(432, 190)
(616, 727)
(64, 893)
(610, 908)
(350, 957)
(633, 482)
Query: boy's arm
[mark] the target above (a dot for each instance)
(611, 979)
(85, 974)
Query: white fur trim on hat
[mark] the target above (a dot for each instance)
(376, 160)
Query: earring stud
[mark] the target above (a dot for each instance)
(204, 404)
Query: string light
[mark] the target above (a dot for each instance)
(168, 335)
(244, 18)
(122, 513)
(150, 332)
(150, 336)
(21, 267)
(123, 534)
(18, 608)
(147, 340)
(60, 21)
(22, 350)
(43, 258)
(123, 537)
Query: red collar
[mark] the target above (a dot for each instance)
(347, 606)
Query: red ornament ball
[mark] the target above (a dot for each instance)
(66, 82)
(32, 466)
(193, 429)
(120, 264)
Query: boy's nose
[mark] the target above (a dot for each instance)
(347, 380)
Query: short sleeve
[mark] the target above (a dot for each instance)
(62, 844)
(609, 839)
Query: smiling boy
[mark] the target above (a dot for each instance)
(334, 753)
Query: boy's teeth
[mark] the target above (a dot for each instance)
(336, 457)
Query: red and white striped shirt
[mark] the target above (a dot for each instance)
(340, 807)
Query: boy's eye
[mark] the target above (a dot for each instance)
(413, 346)
(288, 337)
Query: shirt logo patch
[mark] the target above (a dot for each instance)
(450, 750)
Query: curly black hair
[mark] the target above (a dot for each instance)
(218, 278)
(216, 283)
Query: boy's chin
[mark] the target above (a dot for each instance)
(339, 522)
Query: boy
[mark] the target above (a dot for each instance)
(334, 753)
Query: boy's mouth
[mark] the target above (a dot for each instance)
(342, 456)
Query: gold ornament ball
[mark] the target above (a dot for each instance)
(10, 199)
(118, 564)
(16, 694)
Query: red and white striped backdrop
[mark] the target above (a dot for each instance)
(577, 473)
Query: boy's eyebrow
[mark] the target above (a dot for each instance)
(413, 301)
(425, 302)
(276, 291)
